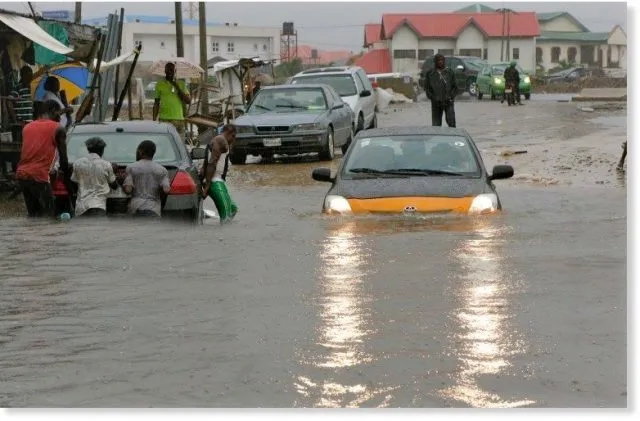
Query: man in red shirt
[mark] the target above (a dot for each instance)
(40, 140)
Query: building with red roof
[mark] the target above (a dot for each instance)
(409, 38)
(319, 57)
(544, 39)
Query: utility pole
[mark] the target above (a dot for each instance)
(204, 98)
(179, 34)
(78, 16)
(506, 22)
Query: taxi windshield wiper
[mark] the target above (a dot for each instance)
(372, 171)
(421, 171)
(262, 107)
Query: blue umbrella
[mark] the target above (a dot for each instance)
(73, 78)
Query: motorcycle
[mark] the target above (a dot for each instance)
(509, 94)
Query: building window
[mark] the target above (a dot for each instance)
(572, 53)
(471, 52)
(423, 54)
(215, 47)
(264, 47)
(538, 55)
(445, 52)
(516, 54)
(161, 44)
(255, 47)
(555, 54)
(485, 54)
(404, 54)
(230, 47)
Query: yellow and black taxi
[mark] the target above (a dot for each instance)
(412, 170)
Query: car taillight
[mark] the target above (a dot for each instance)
(183, 184)
(375, 85)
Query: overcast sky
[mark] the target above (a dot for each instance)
(338, 26)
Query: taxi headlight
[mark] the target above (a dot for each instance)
(527, 80)
(337, 204)
(484, 203)
(497, 81)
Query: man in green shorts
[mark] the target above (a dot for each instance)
(171, 97)
(216, 174)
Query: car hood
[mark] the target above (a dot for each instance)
(432, 186)
(279, 118)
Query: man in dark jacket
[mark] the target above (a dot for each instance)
(512, 76)
(441, 89)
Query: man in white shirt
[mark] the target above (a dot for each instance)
(52, 92)
(95, 179)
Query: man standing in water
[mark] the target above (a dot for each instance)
(441, 89)
(95, 179)
(216, 174)
(40, 141)
(146, 181)
(171, 97)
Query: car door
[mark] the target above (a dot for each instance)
(370, 101)
(482, 80)
(340, 117)
(461, 78)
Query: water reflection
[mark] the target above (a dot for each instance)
(485, 339)
(343, 331)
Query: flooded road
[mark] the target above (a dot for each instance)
(287, 308)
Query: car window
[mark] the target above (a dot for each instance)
(342, 83)
(335, 97)
(365, 80)
(359, 83)
(450, 153)
(474, 64)
(287, 100)
(121, 147)
(429, 63)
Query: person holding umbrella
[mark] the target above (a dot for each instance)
(170, 99)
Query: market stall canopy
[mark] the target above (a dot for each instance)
(105, 65)
(30, 29)
(247, 63)
(83, 39)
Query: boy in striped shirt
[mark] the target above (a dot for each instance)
(21, 94)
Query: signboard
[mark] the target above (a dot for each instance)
(65, 15)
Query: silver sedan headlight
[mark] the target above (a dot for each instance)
(244, 129)
(337, 204)
(484, 203)
(307, 127)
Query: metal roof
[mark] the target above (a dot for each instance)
(573, 36)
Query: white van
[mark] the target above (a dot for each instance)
(354, 88)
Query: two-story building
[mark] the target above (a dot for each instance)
(229, 40)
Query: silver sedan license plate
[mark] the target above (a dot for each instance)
(272, 142)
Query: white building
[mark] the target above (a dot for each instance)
(410, 38)
(564, 39)
(231, 42)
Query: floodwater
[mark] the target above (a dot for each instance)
(288, 308)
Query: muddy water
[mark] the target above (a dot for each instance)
(286, 308)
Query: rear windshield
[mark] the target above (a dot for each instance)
(342, 83)
(121, 147)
